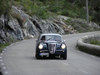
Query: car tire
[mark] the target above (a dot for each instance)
(64, 56)
(37, 55)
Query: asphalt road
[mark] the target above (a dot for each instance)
(19, 59)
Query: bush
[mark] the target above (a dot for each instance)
(95, 42)
(34, 7)
(5, 6)
(42, 8)
(40, 11)
(2, 46)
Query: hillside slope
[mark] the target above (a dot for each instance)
(21, 19)
(20, 26)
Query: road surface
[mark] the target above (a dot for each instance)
(19, 59)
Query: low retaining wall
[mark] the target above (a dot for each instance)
(83, 45)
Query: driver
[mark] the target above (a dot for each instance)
(43, 38)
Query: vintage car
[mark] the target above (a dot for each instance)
(50, 45)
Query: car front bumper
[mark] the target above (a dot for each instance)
(46, 53)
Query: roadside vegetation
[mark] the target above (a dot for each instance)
(95, 42)
(2, 46)
(45, 8)
(5, 7)
(49, 8)
(71, 8)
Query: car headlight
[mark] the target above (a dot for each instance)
(63, 46)
(40, 46)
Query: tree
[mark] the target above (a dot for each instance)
(87, 10)
(5, 6)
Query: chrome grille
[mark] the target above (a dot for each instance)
(52, 48)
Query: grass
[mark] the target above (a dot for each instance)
(2, 46)
(95, 42)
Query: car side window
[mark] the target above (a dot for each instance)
(43, 38)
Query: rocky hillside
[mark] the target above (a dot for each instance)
(19, 25)
(81, 25)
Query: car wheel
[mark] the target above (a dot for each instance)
(64, 56)
(37, 55)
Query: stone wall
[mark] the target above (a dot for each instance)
(84, 45)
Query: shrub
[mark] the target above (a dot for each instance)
(5, 6)
(95, 42)
(40, 11)
(2, 46)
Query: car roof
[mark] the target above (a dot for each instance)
(50, 34)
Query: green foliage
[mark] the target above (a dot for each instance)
(15, 15)
(5, 6)
(44, 8)
(68, 21)
(95, 42)
(2, 46)
(34, 7)
(40, 11)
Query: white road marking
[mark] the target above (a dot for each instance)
(6, 72)
(2, 64)
(0, 57)
(1, 53)
(4, 67)
(5, 49)
(1, 60)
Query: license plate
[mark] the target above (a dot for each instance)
(42, 54)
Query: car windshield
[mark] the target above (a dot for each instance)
(53, 38)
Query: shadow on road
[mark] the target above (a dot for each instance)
(47, 58)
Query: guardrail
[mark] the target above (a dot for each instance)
(83, 45)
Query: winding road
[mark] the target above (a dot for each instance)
(19, 59)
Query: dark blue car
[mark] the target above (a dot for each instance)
(50, 45)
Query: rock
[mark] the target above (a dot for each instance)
(2, 36)
(1, 24)
(62, 17)
(68, 29)
(46, 26)
(1, 41)
(27, 26)
(31, 28)
(94, 25)
(14, 25)
(81, 25)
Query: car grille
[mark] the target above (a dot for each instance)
(52, 48)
